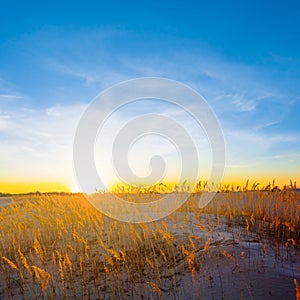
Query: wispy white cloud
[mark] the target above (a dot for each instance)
(264, 125)
(237, 103)
(240, 166)
(10, 97)
(8, 92)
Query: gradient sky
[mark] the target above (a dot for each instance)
(55, 57)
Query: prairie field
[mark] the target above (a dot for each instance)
(243, 245)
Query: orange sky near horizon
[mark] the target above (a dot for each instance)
(19, 187)
(27, 187)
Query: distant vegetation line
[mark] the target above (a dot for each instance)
(36, 193)
(164, 188)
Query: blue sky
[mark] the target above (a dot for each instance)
(244, 58)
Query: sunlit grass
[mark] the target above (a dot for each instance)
(60, 246)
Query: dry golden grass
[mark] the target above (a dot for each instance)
(60, 246)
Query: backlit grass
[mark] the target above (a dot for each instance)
(56, 246)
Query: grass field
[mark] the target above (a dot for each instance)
(243, 245)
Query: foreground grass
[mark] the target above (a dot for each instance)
(60, 246)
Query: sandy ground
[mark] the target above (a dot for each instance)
(253, 272)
